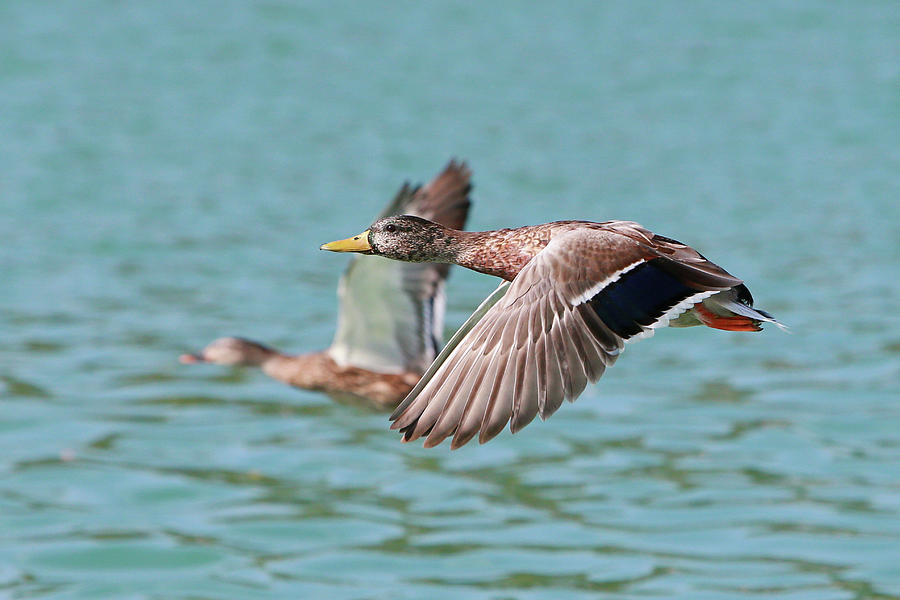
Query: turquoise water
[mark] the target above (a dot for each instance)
(168, 170)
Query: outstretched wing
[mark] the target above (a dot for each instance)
(563, 320)
(391, 316)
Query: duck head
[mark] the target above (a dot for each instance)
(231, 351)
(402, 237)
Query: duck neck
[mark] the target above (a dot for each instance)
(489, 252)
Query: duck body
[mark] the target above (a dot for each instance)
(390, 320)
(316, 371)
(659, 264)
(577, 291)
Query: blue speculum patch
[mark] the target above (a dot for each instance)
(638, 298)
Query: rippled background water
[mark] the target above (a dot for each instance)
(168, 170)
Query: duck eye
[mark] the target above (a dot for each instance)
(390, 228)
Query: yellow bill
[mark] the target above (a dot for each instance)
(357, 243)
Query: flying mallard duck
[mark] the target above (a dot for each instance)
(574, 293)
(391, 318)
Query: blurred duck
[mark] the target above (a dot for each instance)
(574, 293)
(391, 316)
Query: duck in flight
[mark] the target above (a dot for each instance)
(573, 293)
(391, 316)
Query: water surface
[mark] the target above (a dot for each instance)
(169, 170)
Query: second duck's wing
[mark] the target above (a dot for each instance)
(391, 316)
(562, 321)
(444, 200)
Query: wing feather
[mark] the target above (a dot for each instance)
(473, 414)
(526, 406)
(499, 408)
(452, 413)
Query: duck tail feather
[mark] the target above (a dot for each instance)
(728, 310)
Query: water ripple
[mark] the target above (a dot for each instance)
(170, 168)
